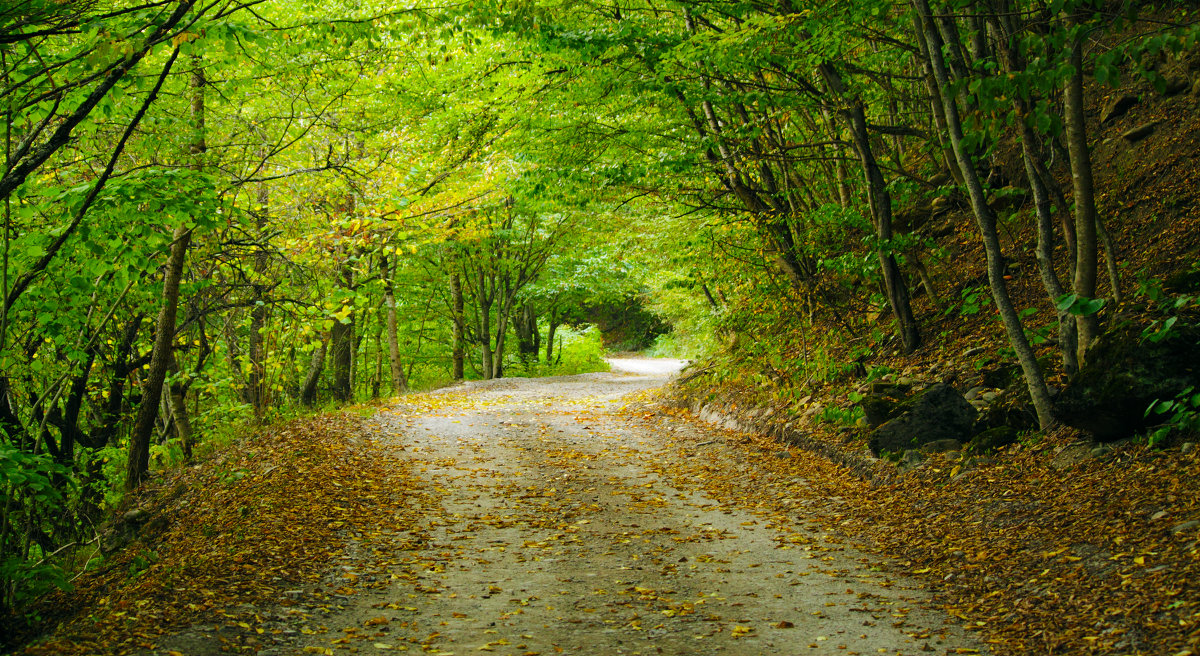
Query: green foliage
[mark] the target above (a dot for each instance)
(580, 351)
(971, 301)
(1180, 414)
(1080, 306)
(840, 416)
(35, 483)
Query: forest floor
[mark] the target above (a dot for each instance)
(567, 515)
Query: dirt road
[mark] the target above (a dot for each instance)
(565, 519)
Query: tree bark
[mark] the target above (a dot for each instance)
(551, 328)
(256, 384)
(164, 336)
(1085, 198)
(457, 319)
(1036, 174)
(399, 380)
(138, 464)
(881, 209)
(308, 391)
(483, 310)
(342, 345)
(986, 219)
(179, 412)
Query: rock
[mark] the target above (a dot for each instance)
(1175, 77)
(1123, 374)
(1101, 450)
(1071, 455)
(974, 392)
(1006, 198)
(937, 413)
(1187, 447)
(1185, 526)
(999, 376)
(878, 409)
(894, 390)
(1140, 132)
(1117, 107)
(942, 446)
(992, 439)
(910, 460)
(972, 352)
(1158, 515)
(989, 396)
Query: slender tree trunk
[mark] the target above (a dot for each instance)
(986, 218)
(459, 348)
(342, 345)
(399, 380)
(308, 391)
(341, 342)
(1110, 261)
(1085, 198)
(483, 309)
(256, 385)
(551, 328)
(179, 410)
(881, 210)
(1067, 337)
(138, 464)
(936, 108)
(164, 336)
(1036, 174)
(501, 335)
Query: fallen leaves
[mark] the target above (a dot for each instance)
(245, 528)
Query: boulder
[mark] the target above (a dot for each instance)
(992, 439)
(1140, 132)
(938, 413)
(881, 402)
(1122, 375)
(1117, 107)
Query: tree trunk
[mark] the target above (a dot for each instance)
(501, 334)
(164, 336)
(459, 349)
(881, 209)
(483, 313)
(179, 411)
(551, 328)
(936, 108)
(256, 384)
(308, 391)
(342, 345)
(1085, 198)
(987, 226)
(138, 464)
(527, 334)
(1067, 336)
(1036, 174)
(399, 380)
(341, 342)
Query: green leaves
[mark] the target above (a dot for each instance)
(1080, 306)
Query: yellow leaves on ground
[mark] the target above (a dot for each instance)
(235, 530)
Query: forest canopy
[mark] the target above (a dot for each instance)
(217, 212)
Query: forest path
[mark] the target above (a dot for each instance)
(563, 519)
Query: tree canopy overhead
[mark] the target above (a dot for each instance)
(214, 211)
